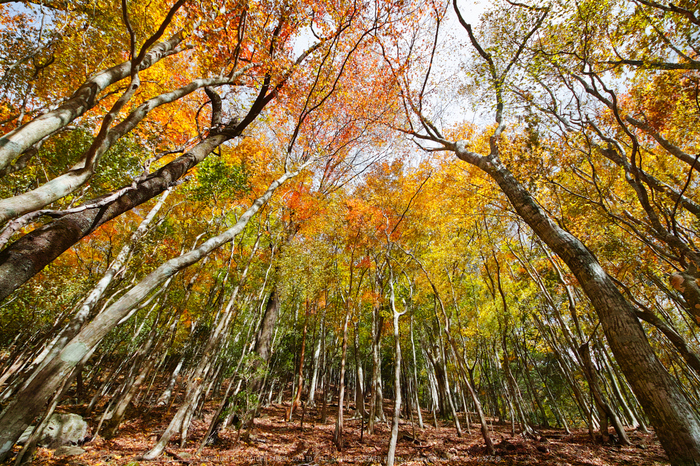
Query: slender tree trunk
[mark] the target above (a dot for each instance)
(415, 377)
(316, 363)
(359, 382)
(438, 382)
(374, 401)
(433, 396)
(164, 398)
(397, 377)
(450, 400)
(296, 402)
(324, 394)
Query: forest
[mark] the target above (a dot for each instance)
(350, 231)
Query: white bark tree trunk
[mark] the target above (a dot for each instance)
(14, 143)
(397, 375)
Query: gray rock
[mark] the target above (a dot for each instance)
(68, 451)
(62, 429)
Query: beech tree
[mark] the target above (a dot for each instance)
(676, 422)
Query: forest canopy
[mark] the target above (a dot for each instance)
(481, 211)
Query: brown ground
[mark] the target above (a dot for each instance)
(275, 442)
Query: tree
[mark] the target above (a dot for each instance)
(676, 422)
(317, 86)
(22, 259)
(563, 217)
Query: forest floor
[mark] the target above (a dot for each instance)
(276, 442)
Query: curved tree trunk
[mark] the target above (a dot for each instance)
(674, 419)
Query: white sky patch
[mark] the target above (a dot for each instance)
(303, 41)
(450, 106)
(471, 10)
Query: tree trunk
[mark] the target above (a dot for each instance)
(374, 401)
(338, 434)
(359, 375)
(164, 398)
(674, 419)
(397, 378)
(316, 363)
(296, 402)
(415, 377)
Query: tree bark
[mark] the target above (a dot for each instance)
(415, 377)
(397, 376)
(374, 401)
(316, 363)
(359, 379)
(296, 402)
(263, 341)
(338, 434)
(14, 143)
(674, 419)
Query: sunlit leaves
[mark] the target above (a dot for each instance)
(216, 179)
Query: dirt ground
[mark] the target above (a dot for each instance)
(276, 442)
